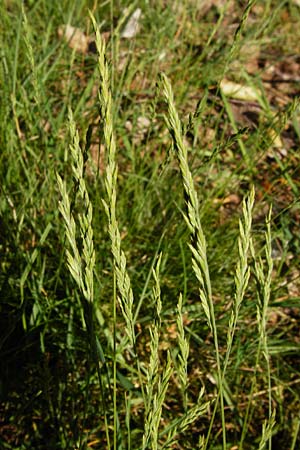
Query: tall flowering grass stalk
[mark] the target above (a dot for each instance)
(152, 371)
(192, 218)
(238, 32)
(267, 430)
(31, 59)
(122, 278)
(241, 279)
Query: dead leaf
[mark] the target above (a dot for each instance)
(142, 126)
(232, 199)
(76, 38)
(276, 139)
(238, 91)
(132, 27)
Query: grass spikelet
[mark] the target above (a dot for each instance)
(122, 277)
(198, 241)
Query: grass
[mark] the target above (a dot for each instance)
(149, 227)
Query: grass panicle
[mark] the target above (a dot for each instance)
(192, 218)
(264, 281)
(122, 277)
(81, 258)
(242, 273)
(152, 371)
(263, 289)
(156, 385)
(239, 31)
